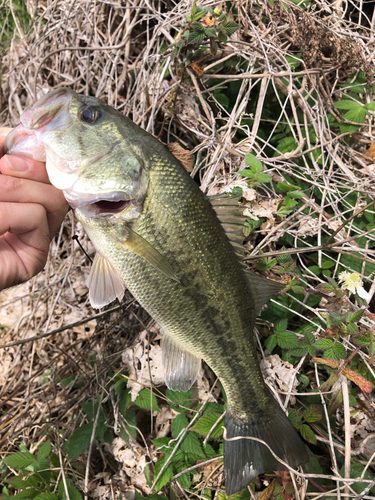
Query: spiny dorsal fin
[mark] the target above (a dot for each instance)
(180, 367)
(105, 285)
(264, 289)
(230, 215)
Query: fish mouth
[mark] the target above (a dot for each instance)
(100, 205)
(104, 208)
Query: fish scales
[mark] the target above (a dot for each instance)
(158, 234)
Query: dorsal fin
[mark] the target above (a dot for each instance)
(264, 289)
(230, 215)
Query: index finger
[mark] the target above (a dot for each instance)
(4, 131)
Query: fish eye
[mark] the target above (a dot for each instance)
(88, 115)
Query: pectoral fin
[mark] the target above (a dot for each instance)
(180, 366)
(105, 285)
(141, 247)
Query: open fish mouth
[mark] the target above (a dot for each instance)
(105, 207)
(100, 205)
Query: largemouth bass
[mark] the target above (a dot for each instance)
(157, 234)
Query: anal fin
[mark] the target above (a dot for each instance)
(105, 285)
(180, 366)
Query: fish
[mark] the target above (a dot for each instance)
(178, 251)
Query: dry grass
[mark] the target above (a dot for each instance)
(121, 54)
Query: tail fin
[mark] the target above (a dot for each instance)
(245, 459)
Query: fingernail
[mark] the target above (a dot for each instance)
(17, 163)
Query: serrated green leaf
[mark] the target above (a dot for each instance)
(285, 186)
(191, 444)
(253, 162)
(312, 350)
(299, 352)
(362, 340)
(346, 104)
(309, 337)
(46, 496)
(180, 401)
(210, 32)
(308, 434)
(347, 127)
(271, 342)
(294, 416)
(339, 350)
(131, 423)
(247, 173)
(161, 443)
(166, 475)
(196, 37)
(312, 413)
(19, 460)
(20, 482)
(370, 105)
(145, 398)
(265, 178)
(79, 441)
(205, 424)
(356, 115)
(178, 423)
(287, 340)
(296, 195)
(44, 450)
(323, 343)
(230, 27)
(28, 493)
(352, 328)
(280, 326)
(209, 451)
(330, 354)
(354, 316)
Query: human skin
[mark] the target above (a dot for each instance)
(31, 211)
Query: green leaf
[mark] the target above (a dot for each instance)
(296, 194)
(271, 342)
(205, 424)
(47, 496)
(299, 352)
(191, 444)
(308, 434)
(363, 340)
(309, 337)
(144, 400)
(253, 162)
(28, 493)
(247, 173)
(180, 401)
(312, 413)
(209, 451)
(356, 115)
(294, 416)
(323, 343)
(195, 37)
(74, 494)
(356, 471)
(312, 350)
(354, 316)
(264, 178)
(210, 32)
(178, 423)
(230, 27)
(346, 104)
(285, 186)
(79, 441)
(370, 105)
(19, 460)
(166, 475)
(21, 482)
(287, 340)
(44, 450)
(339, 350)
(280, 326)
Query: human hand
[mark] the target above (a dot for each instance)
(31, 211)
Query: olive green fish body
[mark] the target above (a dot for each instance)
(158, 235)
